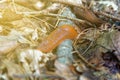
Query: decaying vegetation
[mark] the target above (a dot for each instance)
(93, 55)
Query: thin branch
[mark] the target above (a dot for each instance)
(107, 15)
(74, 19)
(85, 61)
(91, 43)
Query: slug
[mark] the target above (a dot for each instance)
(56, 37)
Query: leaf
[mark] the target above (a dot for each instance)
(33, 60)
(64, 71)
(88, 15)
(12, 68)
(116, 43)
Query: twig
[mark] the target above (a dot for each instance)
(43, 21)
(57, 15)
(85, 61)
(107, 15)
(58, 20)
(103, 47)
(74, 19)
(48, 14)
(91, 43)
(20, 76)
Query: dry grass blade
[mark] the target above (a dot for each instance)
(107, 15)
(7, 46)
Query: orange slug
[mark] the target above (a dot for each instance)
(56, 37)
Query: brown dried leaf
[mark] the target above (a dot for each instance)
(88, 15)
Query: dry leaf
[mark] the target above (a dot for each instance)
(88, 15)
(12, 68)
(64, 71)
(33, 60)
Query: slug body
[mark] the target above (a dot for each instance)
(56, 37)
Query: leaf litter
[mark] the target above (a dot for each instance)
(93, 55)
